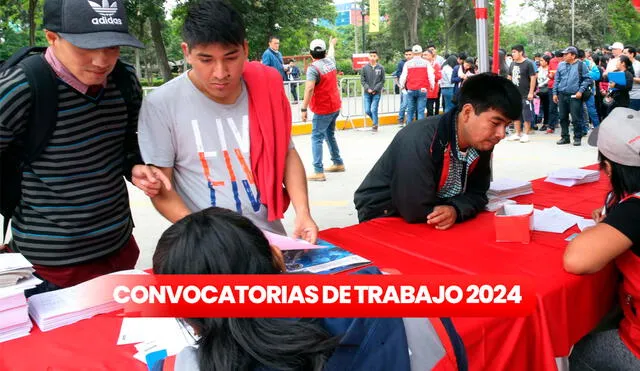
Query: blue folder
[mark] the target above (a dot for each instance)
(618, 77)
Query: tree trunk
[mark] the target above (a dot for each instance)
(138, 66)
(32, 21)
(158, 43)
(413, 21)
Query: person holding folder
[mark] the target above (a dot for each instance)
(620, 83)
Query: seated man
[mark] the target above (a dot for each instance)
(438, 170)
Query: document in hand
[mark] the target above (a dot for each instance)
(62, 307)
(328, 259)
(571, 177)
(618, 77)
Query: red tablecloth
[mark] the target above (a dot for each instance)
(568, 306)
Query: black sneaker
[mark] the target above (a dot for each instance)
(563, 141)
(577, 142)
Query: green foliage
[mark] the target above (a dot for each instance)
(345, 66)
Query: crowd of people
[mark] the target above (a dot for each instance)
(212, 149)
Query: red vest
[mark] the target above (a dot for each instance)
(326, 96)
(629, 295)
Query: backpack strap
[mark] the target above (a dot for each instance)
(132, 98)
(43, 113)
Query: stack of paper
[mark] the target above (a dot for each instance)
(15, 277)
(13, 268)
(156, 334)
(505, 188)
(557, 221)
(62, 307)
(496, 203)
(571, 177)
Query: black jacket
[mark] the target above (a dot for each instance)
(405, 180)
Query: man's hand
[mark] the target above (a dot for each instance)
(578, 95)
(303, 116)
(443, 217)
(305, 228)
(149, 179)
(370, 91)
(423, 90)
(530, 96)
(333, 41)
(555, 99)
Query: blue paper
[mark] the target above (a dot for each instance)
(618, 77)
(154, 357)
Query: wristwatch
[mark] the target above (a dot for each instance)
(303, 110)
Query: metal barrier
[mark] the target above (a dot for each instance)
(352, 98)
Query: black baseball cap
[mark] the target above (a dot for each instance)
(90, 24)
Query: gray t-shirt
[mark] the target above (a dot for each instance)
(207, 145)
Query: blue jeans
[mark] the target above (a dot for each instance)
(417, 100)
(634, 104)
(591, 110)
(324, 127)
(602, 351)
(403, 105)
(447, 98)
(371, 107)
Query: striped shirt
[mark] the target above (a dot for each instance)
(74, 206)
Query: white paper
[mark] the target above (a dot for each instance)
(154, 334)
(553, 220)
(572, 177)
(287, 243)
(585, 223)
(11, 261)
(139, 330)
(62, 307)
(515, 210)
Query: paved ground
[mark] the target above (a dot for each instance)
(332, 201)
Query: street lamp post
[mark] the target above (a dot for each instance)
(573, 22)
(363, 12)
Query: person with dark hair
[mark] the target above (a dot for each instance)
(523, 74)
(504, 68)
(634, 94)
(455, 74)
(434, 73)
(438, 170)
(403, 92)
(293, 76)
(620, 93)
(73, 220)
(614, 239)
(589, 105)
(543, 88)
(446, 83)
(273, 58)
(572, 81)
(219, 241)
(372, 79)
(321, 93)
(552, 123)
(221, 131)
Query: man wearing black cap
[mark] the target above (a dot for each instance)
(571, 81)
(73, 220)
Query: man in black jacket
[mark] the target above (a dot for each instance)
(439, 169)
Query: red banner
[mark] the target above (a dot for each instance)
(316, 295)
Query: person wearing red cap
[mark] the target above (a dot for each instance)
(615, 238)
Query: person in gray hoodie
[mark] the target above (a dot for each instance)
(372, 78)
